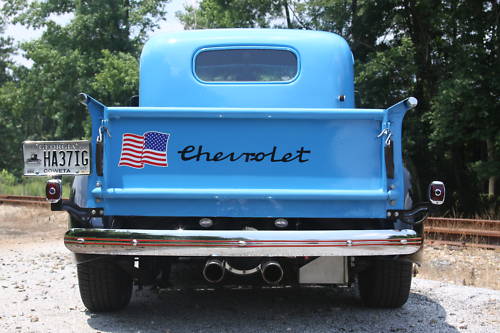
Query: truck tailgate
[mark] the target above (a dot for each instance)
(314, 163)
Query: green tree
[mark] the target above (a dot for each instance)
(8, 124)
(465, 115)
(6, 50)
(95, 52)
(237, 14)
(117, 76)
(445, 53)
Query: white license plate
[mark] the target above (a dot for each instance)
(46, 158)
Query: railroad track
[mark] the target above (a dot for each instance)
(438, 230)
(23, 200)
(463, 232)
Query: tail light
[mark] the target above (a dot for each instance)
(53, 190)
(437, 192)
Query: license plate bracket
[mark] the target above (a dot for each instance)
(49, 158)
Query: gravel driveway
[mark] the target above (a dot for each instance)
(39, 293)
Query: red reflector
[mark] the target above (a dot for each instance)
(53, 190)
(437, 192)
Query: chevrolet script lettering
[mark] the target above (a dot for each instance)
(198, 154)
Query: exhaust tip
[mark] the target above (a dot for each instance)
(214, 270)
(272, 272)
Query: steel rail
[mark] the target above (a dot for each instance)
(461, 231)
(22, 200)
(22, 197)
(447, 220)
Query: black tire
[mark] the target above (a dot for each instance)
(104, 286)
(386, 283)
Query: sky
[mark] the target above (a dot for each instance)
(22, 34)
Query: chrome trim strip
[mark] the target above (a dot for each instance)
(242, 243)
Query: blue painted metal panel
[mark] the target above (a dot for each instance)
(340, 172)
(96, 110)
(325, 70)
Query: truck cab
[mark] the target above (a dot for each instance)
(246, 160)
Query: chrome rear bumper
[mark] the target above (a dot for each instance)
(242, 243)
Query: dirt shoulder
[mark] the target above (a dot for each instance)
(457, 265)
(23, 225)
(462, 266)
(39, 293)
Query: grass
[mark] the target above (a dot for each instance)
(11, 185)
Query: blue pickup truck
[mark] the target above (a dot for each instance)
(245, 159)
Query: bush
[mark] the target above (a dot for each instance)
(11, 185)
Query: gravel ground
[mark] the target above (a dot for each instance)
(463, 266)
(39, 293)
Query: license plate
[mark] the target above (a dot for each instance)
(45, 158)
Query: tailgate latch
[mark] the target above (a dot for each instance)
(388, 149)
(99, 154)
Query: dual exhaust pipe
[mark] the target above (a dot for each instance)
(271, 272)
(215, 269)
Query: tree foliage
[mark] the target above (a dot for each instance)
(444, 52)
(96, 52)
(8, 123)
(232, 14)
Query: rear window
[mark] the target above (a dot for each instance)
(246, 65)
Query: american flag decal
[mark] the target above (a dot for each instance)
(150, 148)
